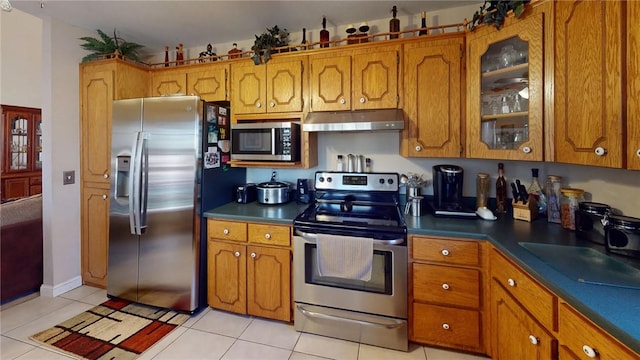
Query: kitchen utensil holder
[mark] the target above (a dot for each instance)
(527, 212)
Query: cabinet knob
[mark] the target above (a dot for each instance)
(445, 286)
(106, 176)
(343, 101)
(526, 150)
(445, 252)
(533, 340)
(511, 282)
(362, 100)
(446, 326)
(258, 104)
(589, 351)
(272, 104)
(600, 151)
(418, 148)
(237, 254)
(225, 231)
(638, 153)
(104, 197)
(253, 255)
(267, 236)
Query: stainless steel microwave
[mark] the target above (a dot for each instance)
(265, 141)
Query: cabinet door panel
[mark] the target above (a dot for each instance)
(633, 84)
(446, 326)
(588, 86)
(375, 80)
(97, 98)
(15, 187)
(284, 86)
(210, 85)
(268, 281)
(248, 90)
(446, 285)
(169, 84)
(516, 334)
(331, 83)
(227, 276)
(433, 99)
(95, 236)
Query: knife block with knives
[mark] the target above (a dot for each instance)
(525, 206)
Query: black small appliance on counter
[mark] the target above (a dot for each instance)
(447, 192)
(246, 193)
(303, 196)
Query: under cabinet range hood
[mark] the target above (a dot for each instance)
(360, 120)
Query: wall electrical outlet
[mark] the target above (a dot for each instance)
(68, 177)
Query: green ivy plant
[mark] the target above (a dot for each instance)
(494, 12)
(272, 38)
(107, 45)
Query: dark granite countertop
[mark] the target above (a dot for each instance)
(616, 309)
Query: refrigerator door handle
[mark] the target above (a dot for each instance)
(144, 183)
(135, 179)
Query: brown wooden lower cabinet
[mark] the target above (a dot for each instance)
(246, 278)
(95, 235)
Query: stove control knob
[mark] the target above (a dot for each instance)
(329, 179)
(390, 181)
(321, 179)
(381, 181)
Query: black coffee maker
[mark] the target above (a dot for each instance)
(447, 192)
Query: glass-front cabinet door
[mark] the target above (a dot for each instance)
(505, 102)
(22, 136)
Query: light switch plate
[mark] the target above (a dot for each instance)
(68, 177)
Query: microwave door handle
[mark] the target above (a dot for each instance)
(273, 141)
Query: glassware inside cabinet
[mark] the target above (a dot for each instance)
(38, 144)
(505, 94)
(19, 143)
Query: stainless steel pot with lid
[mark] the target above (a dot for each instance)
(273, 192)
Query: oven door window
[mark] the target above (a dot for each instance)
(381, 273)
(252, 141)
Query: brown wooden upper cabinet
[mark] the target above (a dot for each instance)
(365, 78)
(433, 80)
(272, 88)
(505, 91)
(209, 81)
(633, 85)
(589, 110)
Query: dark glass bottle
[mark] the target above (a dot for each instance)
(324, 34)
(304, 44)
(166, 56)
(423, 25)
(501, 190)
(394, 24)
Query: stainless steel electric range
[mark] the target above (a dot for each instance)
(353, 210)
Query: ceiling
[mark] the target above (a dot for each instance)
(194, 23)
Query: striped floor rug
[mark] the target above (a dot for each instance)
(115, 329)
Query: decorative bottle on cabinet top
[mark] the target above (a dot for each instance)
(423, 25)
(324, 34)
(394, 24)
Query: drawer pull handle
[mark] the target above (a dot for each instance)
(267, 236)
(445, 252)
(237, 254)
(446, 326)
(600, 151)
(225, 231)
(589, 351)
(533, 340)
(511, 282)
(104, 197)
(253, 255)
(445, 286)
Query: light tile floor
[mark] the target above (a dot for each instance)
(210, 334)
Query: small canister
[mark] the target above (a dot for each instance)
(569, 205)
(622, 235)
(483, 181)
(416, 206)
(590, 220)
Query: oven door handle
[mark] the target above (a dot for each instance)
(393, 324)
(311, 238)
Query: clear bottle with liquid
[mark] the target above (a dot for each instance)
(552, 190)
(535, 189)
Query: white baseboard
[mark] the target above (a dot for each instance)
(55, 290)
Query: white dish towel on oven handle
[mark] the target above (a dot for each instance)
(345, 257)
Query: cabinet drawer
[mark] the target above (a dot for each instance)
(580, 335)
(446, 285)
(446, 326)
(270, 234)
(226, 230)
(35, 180)
(446, 250)
(539, 301)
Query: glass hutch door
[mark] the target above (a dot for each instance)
(506, 91)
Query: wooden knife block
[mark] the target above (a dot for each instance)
(527, 212)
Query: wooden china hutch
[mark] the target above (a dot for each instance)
(21, 134)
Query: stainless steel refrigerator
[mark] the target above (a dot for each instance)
(159, 190)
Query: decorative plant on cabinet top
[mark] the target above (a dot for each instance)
(272, 38)
(495, 11)
(107, 45)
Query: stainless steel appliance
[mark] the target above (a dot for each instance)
(265, 141)
(373, 309)
(159, 190)
(447, 192)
